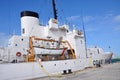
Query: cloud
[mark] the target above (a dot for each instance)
(117, 18)
(117, 22)
(107, 16)
(73, 18)
(3, 39)
(88, 18)
(80, 18)
(117, 28)
(91, 29)
(103, 19)
(95, 23)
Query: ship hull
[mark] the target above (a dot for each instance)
(107, 57)
(31, 70)
(102, 58)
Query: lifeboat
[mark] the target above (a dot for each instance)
(50, 51)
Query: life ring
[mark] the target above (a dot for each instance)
(18, 54)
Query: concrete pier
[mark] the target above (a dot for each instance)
(106, 72)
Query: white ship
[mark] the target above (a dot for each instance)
(99, 56)
(50, 50)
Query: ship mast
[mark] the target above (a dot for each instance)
(84, 36)
(54, 9)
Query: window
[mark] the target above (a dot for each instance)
(23, 30)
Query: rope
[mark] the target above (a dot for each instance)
(48, 73)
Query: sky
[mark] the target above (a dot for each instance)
(101, 19)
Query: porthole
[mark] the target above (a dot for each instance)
(16, 45)
(27, 50)
(54, 64)
(21, 39)
(47, 43)
(52, 43)
(41, 65)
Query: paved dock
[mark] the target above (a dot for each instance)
(106, 72)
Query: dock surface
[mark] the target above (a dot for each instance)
(106, 72)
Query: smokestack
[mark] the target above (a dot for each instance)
(29, 20)
(29, 13)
